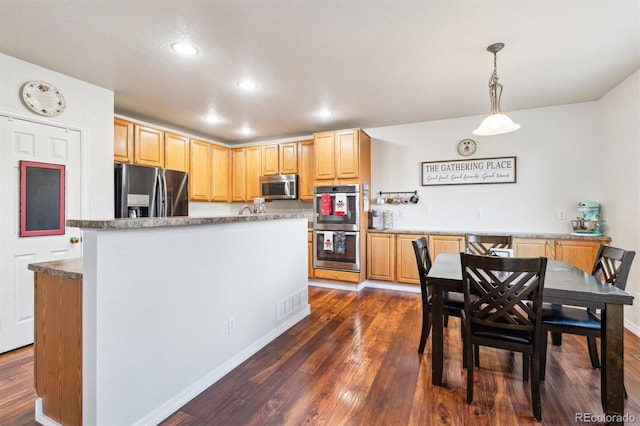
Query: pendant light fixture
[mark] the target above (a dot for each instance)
(496, 123)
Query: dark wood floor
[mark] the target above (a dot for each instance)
(354, 361)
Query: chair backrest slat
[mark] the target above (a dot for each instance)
(482, 244)
(503, 293)
(612, 265)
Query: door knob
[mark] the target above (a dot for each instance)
(74, 240)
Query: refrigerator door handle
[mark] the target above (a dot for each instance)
(162, 193)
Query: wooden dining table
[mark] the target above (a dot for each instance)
(564, 284)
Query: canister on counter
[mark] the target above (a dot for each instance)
(387, 219)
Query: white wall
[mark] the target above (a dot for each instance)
(618, 156)
(556, 158)
(156, 305)
(89, 109)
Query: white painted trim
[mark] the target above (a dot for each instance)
(340, 285)
(42, 418)
(175, 403)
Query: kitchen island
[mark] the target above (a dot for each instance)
(170, 305)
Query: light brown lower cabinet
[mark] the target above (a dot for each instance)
(580, 253)
(390, 257)
(381, 256)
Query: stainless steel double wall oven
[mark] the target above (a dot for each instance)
(336, 239)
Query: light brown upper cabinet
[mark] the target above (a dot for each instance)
(239, 177)
(176, 152)
(288, 162)
(148, 146)
(253, 164)
(220, 163)
(305, 170)
(342, 157)
(122, 141)
(270, 164)
(246, 164)
(200, 174)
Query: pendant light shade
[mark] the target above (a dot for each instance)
(496, 123)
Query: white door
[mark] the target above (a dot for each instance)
(29, 141)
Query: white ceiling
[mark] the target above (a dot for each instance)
(373, 62)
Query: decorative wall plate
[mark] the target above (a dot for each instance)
(42, 98)
(466, 147)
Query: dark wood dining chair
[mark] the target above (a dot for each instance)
(502, 306)
(483, 244)
(612, 266)
(453, 304)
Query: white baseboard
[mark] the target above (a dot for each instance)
(385, 285)
(175, 403)
(42, 418)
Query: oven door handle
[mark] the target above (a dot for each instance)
(328, 230)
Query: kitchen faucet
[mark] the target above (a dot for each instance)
(243, 208)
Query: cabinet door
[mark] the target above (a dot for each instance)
(239, 178)
(253, 156)
(176, 152)
(122, 141)
(445, 244)
(406, 266)
(578, 253)
(270, 165)
(200, 176)
(347, 158)
(381, 256)
(148, 146)
(527, 247)
(220, 184)
(305, 170)
(310, 254)
(324, 154)
(288, 158)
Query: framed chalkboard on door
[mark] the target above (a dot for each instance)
(41, 199)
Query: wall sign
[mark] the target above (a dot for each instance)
(41, 199)
(466, 172)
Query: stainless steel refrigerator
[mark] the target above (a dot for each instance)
(150, 192)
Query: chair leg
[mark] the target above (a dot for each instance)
(593, 352)
(445, 320)
(543, 356)
(469, 359)
(476, 354)
(535, 385)
(426, 328)
(525, 367)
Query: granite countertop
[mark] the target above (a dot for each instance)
(158, 222)
(64, 268)
(536, 235)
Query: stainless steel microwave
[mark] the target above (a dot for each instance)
(279, 187)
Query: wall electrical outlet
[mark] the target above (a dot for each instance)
(478, 213)
(232, 324)
(562, 215)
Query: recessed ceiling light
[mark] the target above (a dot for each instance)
(325, 113)
(247, 85)
(246, 130)
(212, 118)
(184, 49)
